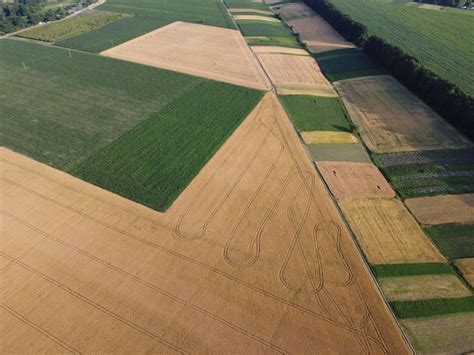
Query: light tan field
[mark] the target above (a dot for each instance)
(467, 268)
(295, 10)
(292, 73)
(392, 119)
(281, 50)
(256, 18)
(387, 232)
(252, 258)
(349, 180)
(243, 10)
(410, 288)
(442, 209)
(441, 335)
(211, 52)
(318, 35)
(326, 137)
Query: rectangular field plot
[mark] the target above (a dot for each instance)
(354, 152)
(313, 113)
(442, 209)
(147, 16)
(450, 157)
(432, 307)
(467, 269)
(292, 11)
(442, 334)
(454, 240)
(392, 119)
(264, 28)
(349, 180)
(409, 288)
(387, 232)
(61, 30)
(279, 49)
(289, 42)
(391, 270)
(226, 269)
(296, 75)
(343, 64)
(328, 137)
(211, 52)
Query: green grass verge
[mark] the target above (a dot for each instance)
(312, 113)
(432, 307)
(154, 162)
(57, 31)
(417, 180)
(246, 4)
(273, 41)
(265, 29)
(147, 16)
(347, 63)
(430, 36)
(391, 270)
(454, 240)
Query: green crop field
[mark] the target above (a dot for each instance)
(432, 307)
(265, 28)
(312, 113)
(147, 16)
(57, 31)
(431, 179)
(454, 240)
(246, 4)
(392, 270)
(441, 40)
(66, 110)
(273, 41)
(349, 63)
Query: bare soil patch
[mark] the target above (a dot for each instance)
(387, 232)
(354, 179)
(294, 73)
(443, 334)
(318, 35)
(327, 137)
(443, 209)
(467, 268)
(252, 257)
(280, 50)
(410, 288)
(392, 119)
(295, 10)
(211, 52)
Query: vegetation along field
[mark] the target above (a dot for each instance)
(147, 16)
(440, 40)
(57, 31)
(454, 240)
(93, 106)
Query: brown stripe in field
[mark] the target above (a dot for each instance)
(253, 257)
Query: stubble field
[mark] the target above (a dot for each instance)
(252, 257)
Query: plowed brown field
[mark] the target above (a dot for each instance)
(387, 232)
(253, 257)
(211, 52)
(292, 73)
(392, 119)
(347, 179)
(442, 209)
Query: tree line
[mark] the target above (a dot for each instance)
(443, 96)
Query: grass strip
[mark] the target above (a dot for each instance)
(432, 307)
(390, 270)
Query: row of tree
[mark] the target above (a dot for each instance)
(443, 96)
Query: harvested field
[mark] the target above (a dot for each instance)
(387, 232)
(210, 52)
(323, 137)
(467, 269)
(438, 157)
(338, 152)
(454, 240)
(409, 288)
(279, 49)
(442, 209)
(442, 334)
(392, 119)
(295, 73)
(253, 257)
(256, 18)
(313, 113)
(350, 180)
(293, 11)
(318, 35)
(349, 63)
